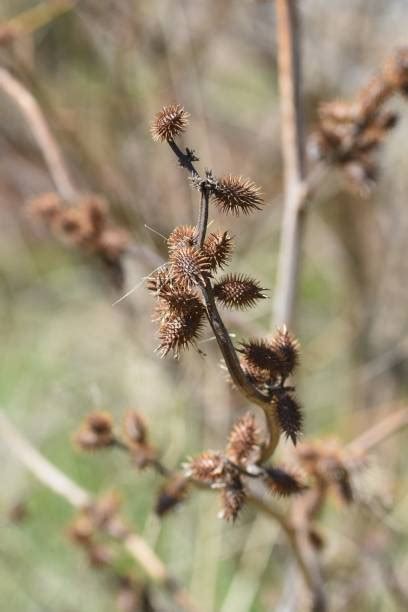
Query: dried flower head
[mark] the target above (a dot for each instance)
(174, 300)
(286, 347)
(232, 500)
(182, 236)
(396, 70)
(96, 432)
(44, 207)
(189, 267)
(171, 494)
(170, 122)
(81, 529)
(113, 243)
(289, 416)
(178, 330)
(244, 441)
(235, 194)
(209, 467)
(134, 428)
(74, 227)
(238, 291)
(159, 279)
(260, 356)
(280, 482)
(218, 248)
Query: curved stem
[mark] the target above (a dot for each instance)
(41, 132)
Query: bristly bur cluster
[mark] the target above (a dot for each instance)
(84, 225)
(188, 291)
(230, 469)
(350, 133)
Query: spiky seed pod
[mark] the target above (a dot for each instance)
(44, 207)
(333, 471)
(289, 416)
(134, 428)
(178, 330)
(209, 467)
(396, 70)
(244, 441)
(96, 432)
(178, 301)
(159, 279)
(232, 500)
(256, 375)
(81, 530)
(170, 122)
(338, 111)
(286, 348)
(182, 236)
(73, 227)
(113, 244)
(96, 209)
(258, 355)
(189, 267)
(238, 291)
(236, 194)
(281, 482)
(218, 248)
(373, 96)
(171, 494)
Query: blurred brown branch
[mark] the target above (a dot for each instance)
(34, 117)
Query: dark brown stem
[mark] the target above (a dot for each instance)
(185, 159)
(221, 334)
(203, 217)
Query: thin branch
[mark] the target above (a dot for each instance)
(42, 134)
(390, 425)
(289, 68)
(78, 497)
(306, 557)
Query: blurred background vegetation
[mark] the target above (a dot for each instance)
(100, 69)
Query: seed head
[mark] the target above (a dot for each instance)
(44, 207)
(218, 248)
(174, 300)
(289, 416)
(235, 194)
(209, 467)
(281, 482)
(244, 441)
(396, 70)
(178, 331)
(95, 432)
(260, 356)
(286, 348)
(238, 291)
(134, 428)
(158, 280)
(189, 267)
(171, 494)
(182, 236)
(232, 500)
(170, 122)
(113, 243)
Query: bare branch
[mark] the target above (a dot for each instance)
(289, 66)
(41, 132)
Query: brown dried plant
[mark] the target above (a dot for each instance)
(349, 133)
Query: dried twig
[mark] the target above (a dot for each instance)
(41, 132)
(289, 66)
